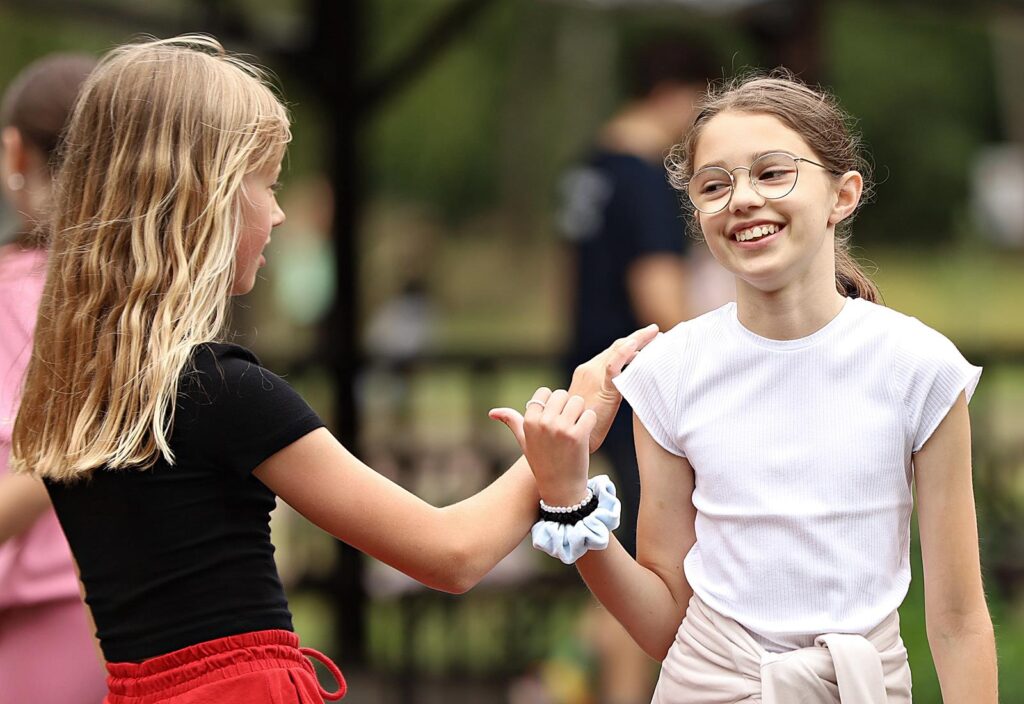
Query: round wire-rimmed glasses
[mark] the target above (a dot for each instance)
(772, 176)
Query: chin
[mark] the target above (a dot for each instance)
(242, 287)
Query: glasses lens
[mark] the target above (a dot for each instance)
(774, 175)
(709, 189)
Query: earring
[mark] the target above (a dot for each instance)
(16, 181)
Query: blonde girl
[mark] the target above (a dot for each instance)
(779, 441)
(163, 449)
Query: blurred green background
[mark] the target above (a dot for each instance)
(453, 181)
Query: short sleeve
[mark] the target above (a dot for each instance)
(235, 413)
(931, 374)
(651, 385)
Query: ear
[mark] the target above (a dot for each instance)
(848, 193)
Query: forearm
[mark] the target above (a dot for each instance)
(964, 651)
(491, 523)
(640, 598)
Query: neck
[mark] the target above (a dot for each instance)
(785, 315)
(795, 310)
(636, 131)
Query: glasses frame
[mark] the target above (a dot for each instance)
(750, 179)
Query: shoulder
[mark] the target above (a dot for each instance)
(22, 272)
(686, 332)
(677, 347)
(910, 336)
(636, 173)
(222, 357)
(22, 277)
(218, 367)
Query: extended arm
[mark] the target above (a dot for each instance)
(649, 595)
(959, 626)
(449, 548)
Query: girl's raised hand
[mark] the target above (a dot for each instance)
(593, 381)
(556, 441)
(557, 420)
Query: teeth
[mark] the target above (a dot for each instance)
(755, 232)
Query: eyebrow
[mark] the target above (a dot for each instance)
(721, 164)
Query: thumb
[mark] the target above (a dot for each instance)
(514, 420)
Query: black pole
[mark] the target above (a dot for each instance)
(335, 57)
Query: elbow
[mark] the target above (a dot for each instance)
(657, 649)
(950, 627)
(458, 570)
(458, 585)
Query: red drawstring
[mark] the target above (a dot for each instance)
(329, 664)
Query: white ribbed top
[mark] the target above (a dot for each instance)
(801, 451)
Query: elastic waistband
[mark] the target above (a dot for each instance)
(179, 671)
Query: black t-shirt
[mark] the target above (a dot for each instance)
(175, 555)
(616, 209)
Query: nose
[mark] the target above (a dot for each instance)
(278, 216)
(743, 194)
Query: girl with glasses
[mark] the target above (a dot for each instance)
(780, 441)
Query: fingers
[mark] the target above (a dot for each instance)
(537, 404)
(555, 405)
(562, 414)
(513, 420)
(574, 406)
(623, 351)
(587, 422)
(552, 409)
(645, 335)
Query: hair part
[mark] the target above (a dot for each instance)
(147, 203)
(816, 116)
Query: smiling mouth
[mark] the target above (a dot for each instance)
(755, 233)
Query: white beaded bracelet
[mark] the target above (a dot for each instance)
(567, 509)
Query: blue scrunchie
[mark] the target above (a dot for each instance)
(569, 542)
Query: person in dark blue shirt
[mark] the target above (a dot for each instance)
(624, 225)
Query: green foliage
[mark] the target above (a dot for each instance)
(435, 141)
(25, 37)
(920, 82)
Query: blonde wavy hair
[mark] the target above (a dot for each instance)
(147, 217)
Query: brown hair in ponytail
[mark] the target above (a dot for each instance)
(816, 116)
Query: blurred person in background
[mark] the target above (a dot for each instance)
(629, 250)
(47, 652)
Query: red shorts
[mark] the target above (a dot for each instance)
(263, 667)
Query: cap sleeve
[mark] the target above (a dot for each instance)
(931, 374)
(651, 385)
(236, 413)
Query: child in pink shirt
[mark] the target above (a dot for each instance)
(47, 652)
